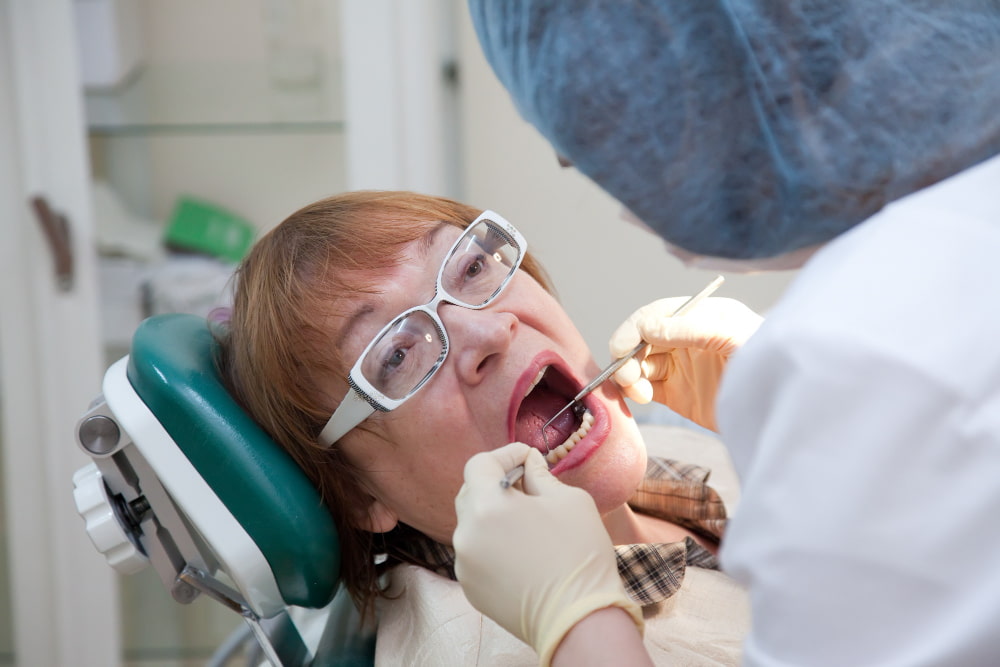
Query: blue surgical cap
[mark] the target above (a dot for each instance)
(750, 129)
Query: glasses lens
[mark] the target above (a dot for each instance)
(405, 355)
(476, 270)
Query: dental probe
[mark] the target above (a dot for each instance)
(618, 363)
(515, 473)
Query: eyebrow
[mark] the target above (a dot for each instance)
(368, 307)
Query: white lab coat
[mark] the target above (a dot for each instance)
(864, 421)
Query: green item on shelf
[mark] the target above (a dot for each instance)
(199, 226)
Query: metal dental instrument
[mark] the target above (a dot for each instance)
(510, 478)
(618, 363)
(515, 473)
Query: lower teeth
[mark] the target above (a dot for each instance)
(560, 452)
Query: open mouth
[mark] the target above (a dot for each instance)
(548, 394)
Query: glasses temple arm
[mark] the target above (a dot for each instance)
(353, 410)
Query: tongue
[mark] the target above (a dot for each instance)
(538, 408)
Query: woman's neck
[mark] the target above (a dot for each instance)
(626, 526)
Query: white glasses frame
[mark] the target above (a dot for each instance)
(363, 399)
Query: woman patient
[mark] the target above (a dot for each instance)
(384, 338)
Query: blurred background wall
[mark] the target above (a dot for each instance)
(602, 266)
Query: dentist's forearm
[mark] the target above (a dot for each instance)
(606, 637)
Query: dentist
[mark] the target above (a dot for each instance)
(856, 142)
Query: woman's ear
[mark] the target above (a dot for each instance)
(376, 518)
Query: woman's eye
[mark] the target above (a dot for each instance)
(475, 268)
(393, 369)
(392, 365)
(469, 273)
(395, 359)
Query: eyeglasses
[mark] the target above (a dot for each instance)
(409, 350)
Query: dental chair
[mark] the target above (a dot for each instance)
(183, 479)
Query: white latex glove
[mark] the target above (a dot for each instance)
(683, 365)
(537, 561)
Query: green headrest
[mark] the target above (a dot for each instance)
(171, 368)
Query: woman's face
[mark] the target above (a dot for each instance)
(485, 395)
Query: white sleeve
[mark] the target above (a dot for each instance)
(871, 489)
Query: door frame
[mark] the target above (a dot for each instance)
(63, 593)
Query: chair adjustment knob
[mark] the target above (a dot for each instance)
(111, 534)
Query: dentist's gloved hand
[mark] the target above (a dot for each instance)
(536, 562)
(687, 354)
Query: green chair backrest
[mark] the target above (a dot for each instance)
(172, 369)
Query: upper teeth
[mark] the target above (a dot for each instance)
(534, 383)
(560, 452)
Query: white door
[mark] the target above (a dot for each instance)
(63, 595)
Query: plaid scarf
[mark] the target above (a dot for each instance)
(671, 490)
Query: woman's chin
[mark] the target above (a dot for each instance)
(613, 470)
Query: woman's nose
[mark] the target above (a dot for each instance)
(478, 338)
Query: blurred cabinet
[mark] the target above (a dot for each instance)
(226, 132)
(225, 129)
(262, 107)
